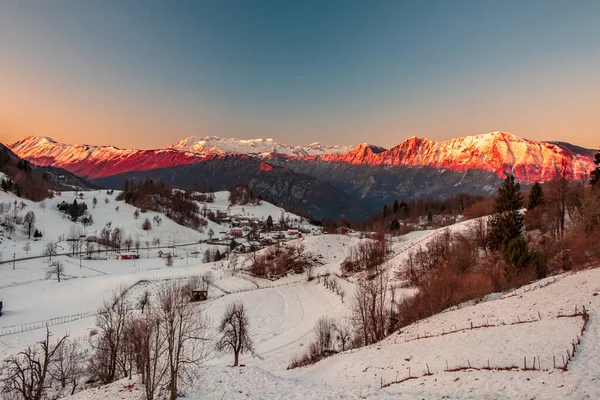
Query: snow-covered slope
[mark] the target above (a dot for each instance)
(508, 329)
(216, 145)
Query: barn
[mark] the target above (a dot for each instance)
(128, 256)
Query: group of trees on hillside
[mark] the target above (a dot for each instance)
(276, 261)
(74, 210)
(242, 195)
(559, 231)
(400, 217)
(368, 255)
(178, 205)
(13, 216)
(21, 179)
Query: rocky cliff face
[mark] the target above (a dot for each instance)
(498, 152)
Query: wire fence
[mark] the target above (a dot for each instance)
(11, 330)
(12, 284)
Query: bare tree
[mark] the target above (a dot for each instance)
(324, 333)
(148, 349)
(185, 330)
(29, 223)
(343, 333)
(369, 310)
(55, 269)
(137, 245)
(128, 242)
(207, 279)
(144, 300)
(9, 226)
(75, 233)
(235, 335)
(27, 247)
(117, 238)
(67, 366)
(27, 372)
(111, 321)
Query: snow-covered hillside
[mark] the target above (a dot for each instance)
(505, 331)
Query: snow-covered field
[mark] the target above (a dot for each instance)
(507, 331)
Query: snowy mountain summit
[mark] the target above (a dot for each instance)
(217, 145)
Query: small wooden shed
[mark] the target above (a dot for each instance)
(199, 295)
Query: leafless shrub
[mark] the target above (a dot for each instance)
(55, 268)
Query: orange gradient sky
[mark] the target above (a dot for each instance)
(115, 79)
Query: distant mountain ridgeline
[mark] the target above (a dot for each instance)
(35, 182)
(322, 180)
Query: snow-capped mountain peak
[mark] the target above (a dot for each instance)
(217, 145)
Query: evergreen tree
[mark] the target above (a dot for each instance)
(269, 223)
(518, 256)
(395, 225)
(595, 175)
(507, 221)
(536, 196)
(395, 206)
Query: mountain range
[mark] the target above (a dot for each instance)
(324, 180)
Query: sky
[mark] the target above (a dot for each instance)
(147, 73)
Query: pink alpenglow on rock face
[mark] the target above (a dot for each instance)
(497, 152)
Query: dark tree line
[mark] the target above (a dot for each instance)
(157, 196)
(389, 218)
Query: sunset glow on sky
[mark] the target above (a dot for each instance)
(147, 73)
